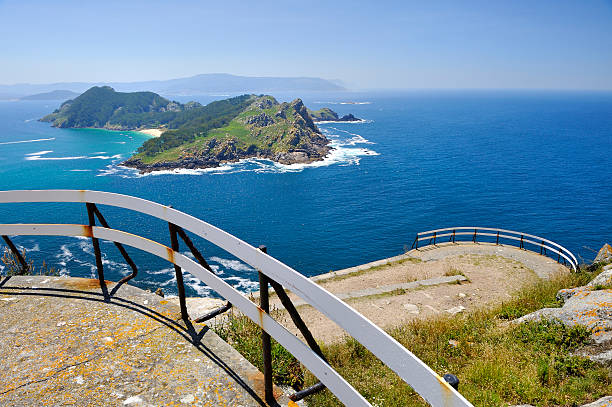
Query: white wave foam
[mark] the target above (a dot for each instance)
(79, 170)
(105, 157)
(199, 287)
(243, 284)
(360, 121)
(40, 152)
(64, 256)
(235, 265)
(169, 271)
(343, 103)
(343, 153)
(27, 141)
(39, 157)
(35, 248)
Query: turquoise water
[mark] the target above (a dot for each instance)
(537, 162)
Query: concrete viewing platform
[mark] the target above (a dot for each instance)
(442, 279)
(63, 344)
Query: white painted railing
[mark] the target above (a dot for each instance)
(406, 365)
(472, 232)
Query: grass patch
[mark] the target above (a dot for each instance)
(245, 336)
(12, 266)
(497, 363)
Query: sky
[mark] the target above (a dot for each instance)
(510, 44)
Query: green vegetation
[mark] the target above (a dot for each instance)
(245, 337)
(325, 114)
(200, 136)
(497, 363)
(12, 266)
(103, 107)
(195, 122)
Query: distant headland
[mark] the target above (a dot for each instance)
(191, 135)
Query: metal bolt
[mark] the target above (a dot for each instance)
(452, 380)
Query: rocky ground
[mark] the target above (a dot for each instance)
(589, 306)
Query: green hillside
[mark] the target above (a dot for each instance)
(197, 136)
(102, 107)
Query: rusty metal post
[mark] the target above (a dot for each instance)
(179, 273)
(20, 259)
(196, 253)
(474, 237)
(119, 246)
(453, 235)
(310, 340)
(434, 238)
(266, 343)
(522, 247)
(497, 241)
(309, 391)
(296, 318)
(96, 246)
(541, 246)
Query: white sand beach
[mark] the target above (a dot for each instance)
(152, 132)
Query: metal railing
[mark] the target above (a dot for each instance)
(494, 235)
(427, 383)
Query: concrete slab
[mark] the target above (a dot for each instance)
(543, 266)
(61, 343)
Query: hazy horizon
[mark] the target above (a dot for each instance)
(548, 45)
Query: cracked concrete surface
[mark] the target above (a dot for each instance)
(62, 344)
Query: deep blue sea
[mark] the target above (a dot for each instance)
(536, 162)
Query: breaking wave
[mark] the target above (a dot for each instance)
(27, 141)
(42, 155)
(345, 151)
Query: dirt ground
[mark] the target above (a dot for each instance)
(493, 273)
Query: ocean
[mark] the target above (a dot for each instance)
(531, 161)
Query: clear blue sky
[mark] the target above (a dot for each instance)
(376, 44)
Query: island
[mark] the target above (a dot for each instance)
(328, 115)
(197, 136)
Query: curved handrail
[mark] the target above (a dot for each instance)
(476, 231)
(411, 369)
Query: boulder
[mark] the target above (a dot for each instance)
(604, 255)
(602, 402)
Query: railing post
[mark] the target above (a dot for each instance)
(119, 246)
(453, 235)
(434, 238)
(20, 259)
(266, 343)
(179, 273)
(497, 240)
(522, 247)
(541, 246)
(96, 246)
(474, 237)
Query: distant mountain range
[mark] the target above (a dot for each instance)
(195, 85)
(53, 95)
